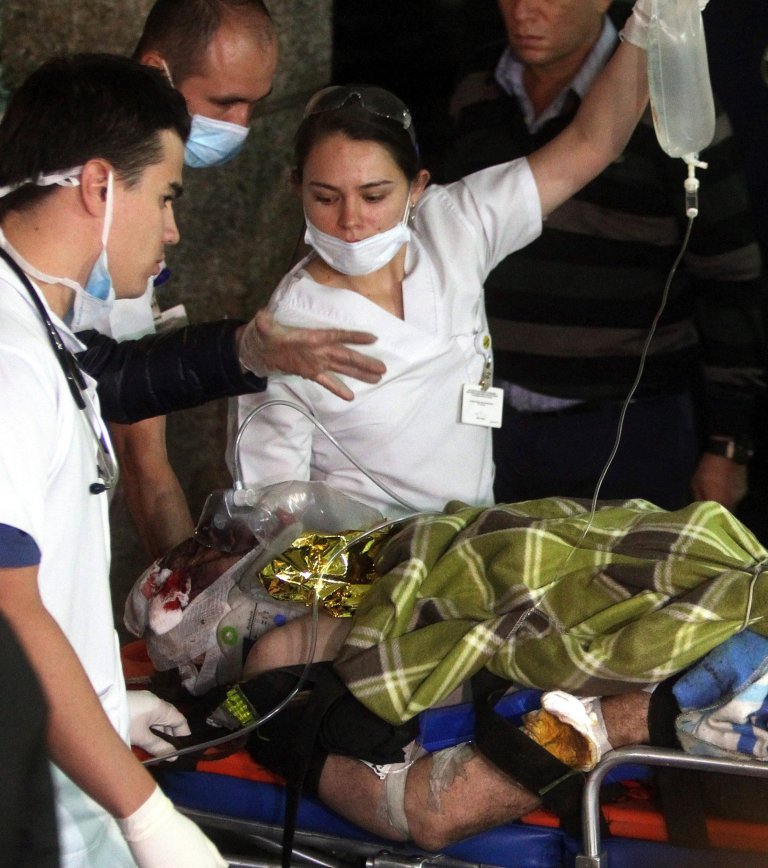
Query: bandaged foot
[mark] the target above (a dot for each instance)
(571, 729)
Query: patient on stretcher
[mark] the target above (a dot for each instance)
(546, 596)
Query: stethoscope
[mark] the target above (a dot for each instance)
(106, 464)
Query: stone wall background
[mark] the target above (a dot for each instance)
(239, 223)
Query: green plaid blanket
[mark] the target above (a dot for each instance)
(540, 595)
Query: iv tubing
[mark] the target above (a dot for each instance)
(239, 485)
(631, 393)
(278, 402)
(231, 735)
(641, 366)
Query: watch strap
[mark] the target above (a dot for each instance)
(737, 450)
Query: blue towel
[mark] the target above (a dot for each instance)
(724, 700)
(725, 671)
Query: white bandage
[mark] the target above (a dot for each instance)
(394, 775)
(585, 716)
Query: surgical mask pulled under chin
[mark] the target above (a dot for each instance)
(356, 258)
(212, 142)
(94, 301)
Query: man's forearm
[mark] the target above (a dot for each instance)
(152, 491)
(81, 739)
(162, 373)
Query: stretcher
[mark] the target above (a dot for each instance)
(242, 806)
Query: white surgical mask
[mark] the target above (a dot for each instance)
(94, 301)
(356, 258)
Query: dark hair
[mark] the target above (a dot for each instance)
(359, 125)
(181, 30)
(74, 109)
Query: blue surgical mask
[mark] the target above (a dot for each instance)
(356, 258)
(94, 301)
(212, 142)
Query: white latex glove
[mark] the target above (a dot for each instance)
(160, 837)
(636, 28)
(146, 710)
(264, 345)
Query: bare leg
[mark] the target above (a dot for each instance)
(477, 797)
(290, 644)
(626, 718)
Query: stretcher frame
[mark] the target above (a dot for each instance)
(592, 856)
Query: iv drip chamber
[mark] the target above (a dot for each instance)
(678, 78)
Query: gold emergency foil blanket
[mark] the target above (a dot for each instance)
(338, 567)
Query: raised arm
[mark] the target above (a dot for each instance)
(603, 124)
(152, 491)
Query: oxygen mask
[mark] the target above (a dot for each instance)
(225, 522)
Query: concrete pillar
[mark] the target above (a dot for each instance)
(239, 223)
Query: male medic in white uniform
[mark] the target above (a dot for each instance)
(91, 156)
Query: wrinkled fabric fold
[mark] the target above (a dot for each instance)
(541, 595)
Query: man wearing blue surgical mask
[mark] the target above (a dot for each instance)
(221, 56)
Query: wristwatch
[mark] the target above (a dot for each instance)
(739, 451)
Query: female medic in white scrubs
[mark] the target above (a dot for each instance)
(408, 262)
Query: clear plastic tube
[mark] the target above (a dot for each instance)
(678, 77)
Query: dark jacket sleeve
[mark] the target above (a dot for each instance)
(163, 372)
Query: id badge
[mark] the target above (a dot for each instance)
(481, 406)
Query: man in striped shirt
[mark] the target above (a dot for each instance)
(571, 313)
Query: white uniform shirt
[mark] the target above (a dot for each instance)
(406, 430)
(47, 462)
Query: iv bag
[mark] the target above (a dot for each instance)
(678, 77)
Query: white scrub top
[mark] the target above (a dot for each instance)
(47, 462)
(406, 430)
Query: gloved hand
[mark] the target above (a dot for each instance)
(636, 28)
(146, 710)
(265, 345)
(160, 837)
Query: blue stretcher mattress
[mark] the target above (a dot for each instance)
(260, 806)
(515, 844)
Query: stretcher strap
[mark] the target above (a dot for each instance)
(503, 743)
(680, 790)
(325, 691)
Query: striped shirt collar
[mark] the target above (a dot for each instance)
(509, 75)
